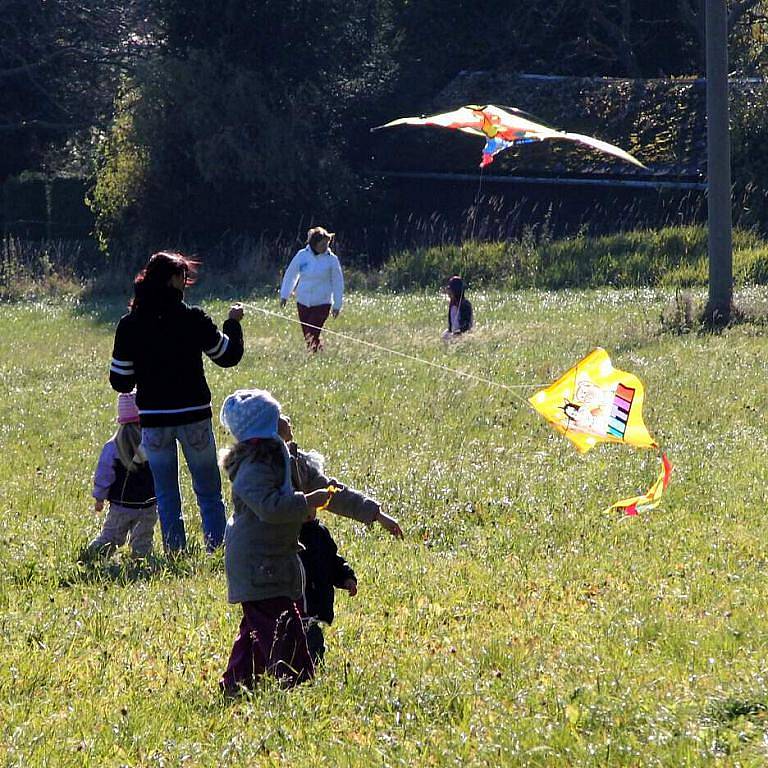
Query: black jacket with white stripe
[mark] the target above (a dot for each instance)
(158, 349)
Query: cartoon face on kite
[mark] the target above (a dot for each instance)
(594, 402)
(589, 393)
(589, 410)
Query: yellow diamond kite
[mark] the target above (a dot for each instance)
(594, 402)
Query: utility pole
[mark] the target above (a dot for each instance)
(720, 250)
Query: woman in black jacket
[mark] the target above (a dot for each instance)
(158, 348)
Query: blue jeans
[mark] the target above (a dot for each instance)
(199, 447)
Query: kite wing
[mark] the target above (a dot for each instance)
(594, 402)
(651, 498)
(462, 119)
(503, 130)
(602, 146)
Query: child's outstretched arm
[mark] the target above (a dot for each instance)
(389, 524)
(347, 502)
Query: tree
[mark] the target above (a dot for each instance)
(243, 117)
(59, 63)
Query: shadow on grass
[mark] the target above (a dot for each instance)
(730, 709)
(130, 571)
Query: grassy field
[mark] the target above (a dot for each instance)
(516, 625)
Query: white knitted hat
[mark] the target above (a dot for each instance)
(249, 413)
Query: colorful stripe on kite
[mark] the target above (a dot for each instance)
(620, 408)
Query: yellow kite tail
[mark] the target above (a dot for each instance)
(652, 497)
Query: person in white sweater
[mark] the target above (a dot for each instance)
(315, 276)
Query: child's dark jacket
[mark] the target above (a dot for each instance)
(325, 569)
(466, 318)
(135, 490)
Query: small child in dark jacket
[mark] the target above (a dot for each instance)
(124, 479)
(325, 569)
(460, 317)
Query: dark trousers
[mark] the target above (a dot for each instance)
(312, 320)
(271, 640)
(315, 642)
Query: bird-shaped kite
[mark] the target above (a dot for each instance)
(502, 129)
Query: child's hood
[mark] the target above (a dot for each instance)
(232, 458)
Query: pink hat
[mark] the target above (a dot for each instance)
(127, 412)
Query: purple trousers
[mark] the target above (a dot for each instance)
(312, 320)
(271, 641)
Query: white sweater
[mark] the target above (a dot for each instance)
(316, 278)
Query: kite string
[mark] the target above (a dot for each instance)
(490, 382)
(477, 203)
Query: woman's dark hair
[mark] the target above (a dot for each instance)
(161, 267)
(316, 235)
(456, 289)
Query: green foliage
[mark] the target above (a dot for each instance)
(749, 155)
(517, 625)
(242, 121)
(670, 256)
(118, 194)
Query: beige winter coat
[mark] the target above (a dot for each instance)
(261, 541)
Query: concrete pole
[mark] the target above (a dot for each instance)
(718, 167)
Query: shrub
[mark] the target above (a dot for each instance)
(675, 256)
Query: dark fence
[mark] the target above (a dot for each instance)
(424, 209)
(412, 210)
(38, 208)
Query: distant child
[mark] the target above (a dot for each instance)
(460, 319)
(261, 551)
(124, 479)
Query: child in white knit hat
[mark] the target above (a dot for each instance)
(123, 478)
(264, 572)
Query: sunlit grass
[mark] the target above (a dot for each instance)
(516, 625)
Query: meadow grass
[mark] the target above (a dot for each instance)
(517, 624)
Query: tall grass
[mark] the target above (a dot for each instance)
(237, 264)
(673, 256)
(35, 268)
(517, 624)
